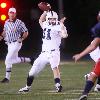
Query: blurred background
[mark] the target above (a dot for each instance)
(81, 17)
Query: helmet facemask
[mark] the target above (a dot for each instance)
(52, 18)
(52, 21)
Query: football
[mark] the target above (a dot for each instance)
(44, 6)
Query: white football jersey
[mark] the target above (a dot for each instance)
(51, 37)
(95, 55)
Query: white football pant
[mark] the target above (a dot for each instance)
(51, 57)
(12, 55)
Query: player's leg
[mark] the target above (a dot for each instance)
(17, 59)
(54, 62)
(13, 49)
(88, 86)
(91, 80)
(97, 87)
(57, 81)
(95, 55)
(8, 63)
(37, 67)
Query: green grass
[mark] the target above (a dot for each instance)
(72, 76)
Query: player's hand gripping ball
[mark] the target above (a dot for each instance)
(44, 6)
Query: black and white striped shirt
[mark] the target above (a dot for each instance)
(14, 30)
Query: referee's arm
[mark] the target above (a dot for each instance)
(24, 31)
(24, 36)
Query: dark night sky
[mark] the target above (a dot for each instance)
(81, 16)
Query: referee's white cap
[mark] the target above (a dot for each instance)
(12, 10)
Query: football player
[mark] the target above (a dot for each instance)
(95, 55)
(53, 32)
(95, 73)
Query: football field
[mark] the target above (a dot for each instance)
(72, 75)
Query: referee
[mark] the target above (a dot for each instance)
(14, 33)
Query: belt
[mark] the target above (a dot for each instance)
(13, 41)
(48, 51)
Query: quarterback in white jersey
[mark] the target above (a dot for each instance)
(53, 31)
(51, 36)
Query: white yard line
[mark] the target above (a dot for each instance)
(70, 99)
(89, 99)
(94, 98)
